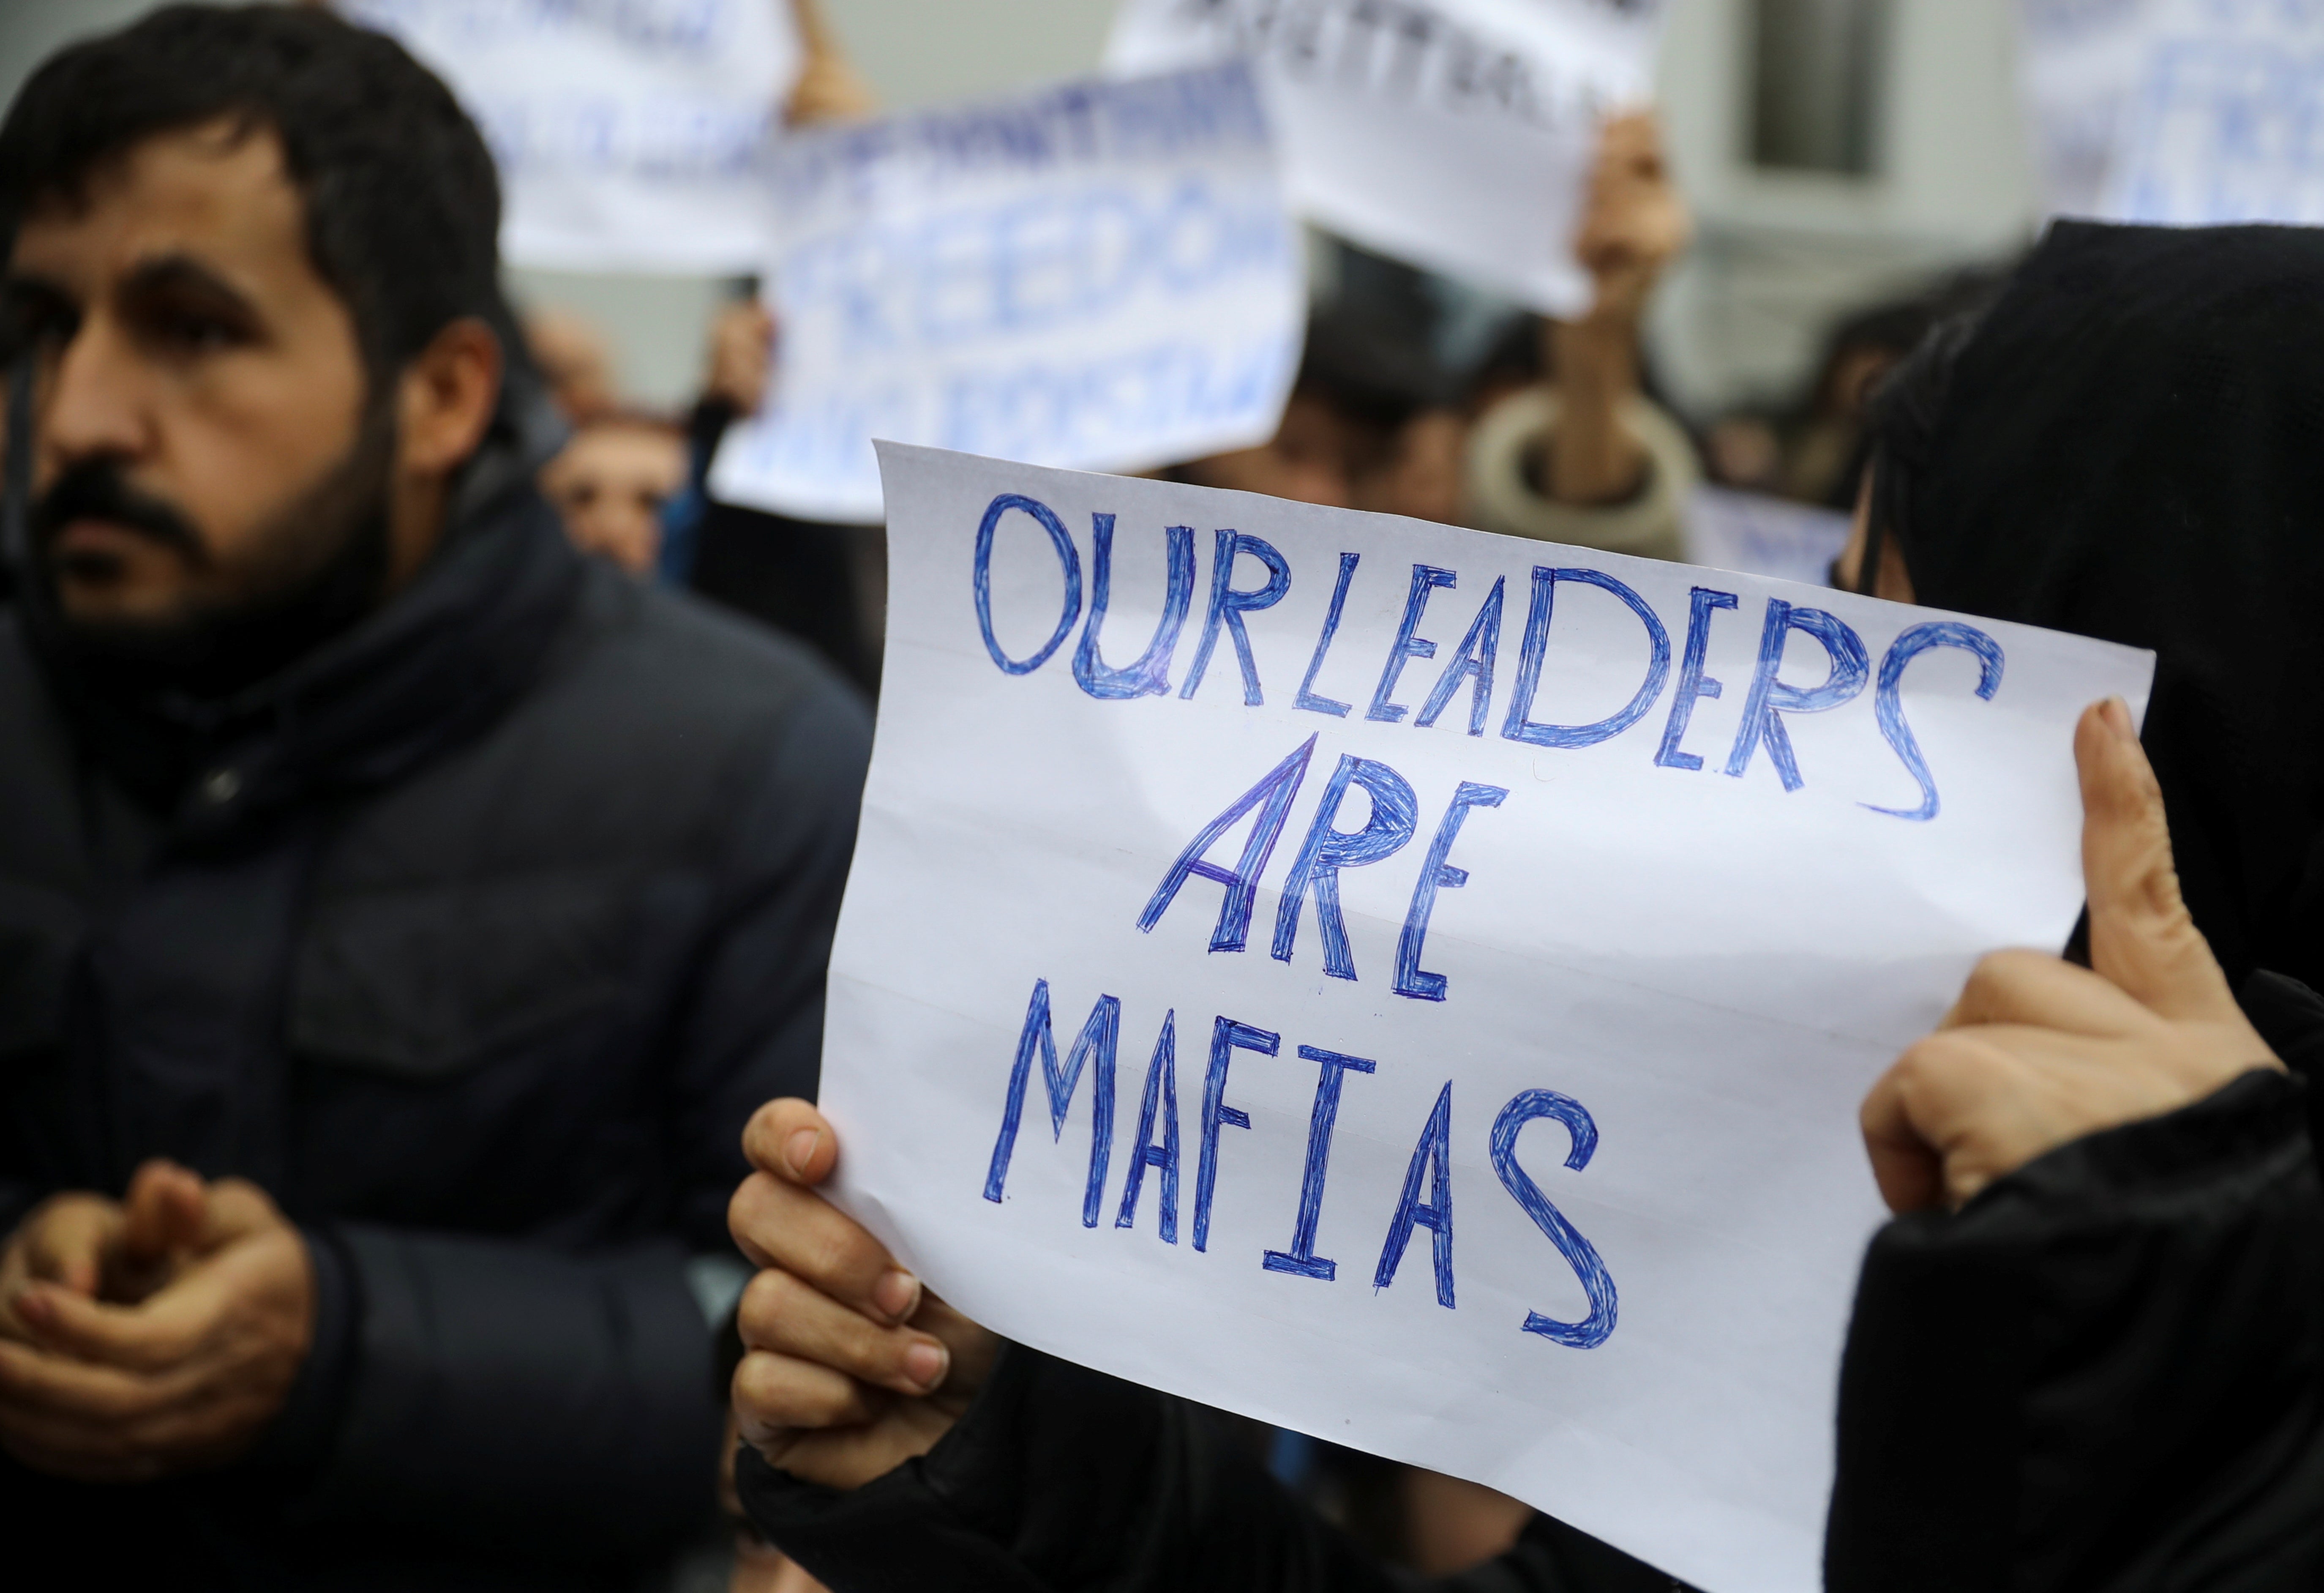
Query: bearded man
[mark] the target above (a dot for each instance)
(400, 915)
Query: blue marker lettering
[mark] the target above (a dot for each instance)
(1068, 558)
(1597, 1283)
(1272, 796)
(1436, 873)
(1228, 606)
(1162, 1083)
(1692, 683)
(1096, 1041)
(1519, 726)
(1425, 578)
(1770, 698)
(1327, 850)
(1474, 658)
(1226, 1037)
(1306, 697)
(1149, 676)
(1301, 1259)
(1434, 1151)
(1888, 705)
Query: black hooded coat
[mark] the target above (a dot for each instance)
(472, 937)
(2105, 1374)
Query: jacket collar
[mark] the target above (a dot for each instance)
(429, 669)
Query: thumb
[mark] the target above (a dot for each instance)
(791, 1140)
(162, 1212)
(2142, 940)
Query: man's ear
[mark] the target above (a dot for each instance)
(445, 398)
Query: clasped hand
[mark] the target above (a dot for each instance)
(153, 1335)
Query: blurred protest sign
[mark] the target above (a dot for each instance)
(1320, 880)
(2078, 62)
(1457, 135)
(631, 134)
(2224, 126)
(1099, 274)
(1760, 534)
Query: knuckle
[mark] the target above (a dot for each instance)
(750, 1214)
(830, 1251)
(775, 1392)
(764, 1311)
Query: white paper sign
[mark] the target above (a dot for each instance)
(1099, 275)
(1471, 951)
(1455, 133)
(1760, 534)
(2224, 126)
(631, 134)
(2078, 64)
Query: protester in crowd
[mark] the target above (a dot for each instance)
(1586, 459)
(612, 483)
(2090, 1354)
(829, 88)
(1570, 451)
(2125, 449)
(1813, 452)
(399, 914)
(1901, 443)
(577, 363)
(823, 584)
(1363, 428)
(802, 577)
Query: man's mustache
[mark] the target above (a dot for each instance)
(97, 490)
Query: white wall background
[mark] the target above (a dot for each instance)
(1779, 255)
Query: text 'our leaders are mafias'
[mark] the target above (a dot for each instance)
(1473, 665)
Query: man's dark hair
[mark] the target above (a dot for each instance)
(402, 200)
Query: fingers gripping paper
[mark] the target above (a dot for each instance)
(1415, 986)
(1455, 133)
(1099, 274)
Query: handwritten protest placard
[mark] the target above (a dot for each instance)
(1454, 133)
(629, 134)
(1762, 534)
(2078, 64)
(1099, 274)
(2223, 126)
(1414, 985)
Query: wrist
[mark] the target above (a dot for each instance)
(1596, 354)
(299, 1435)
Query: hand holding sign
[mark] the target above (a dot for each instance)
(1635, 222)
(2037, 1051)
(852, 1367)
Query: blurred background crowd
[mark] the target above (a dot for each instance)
(1852, 171)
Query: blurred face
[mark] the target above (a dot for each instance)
(201, 440)
(610, 483)
(1892, 580)
(1422, 473)
(1306, 459)
(575, 363)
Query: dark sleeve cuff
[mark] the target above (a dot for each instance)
(948, 1519)
(302, 1430)
(1066, 1480)
(2102, 1373)
(705, 426)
